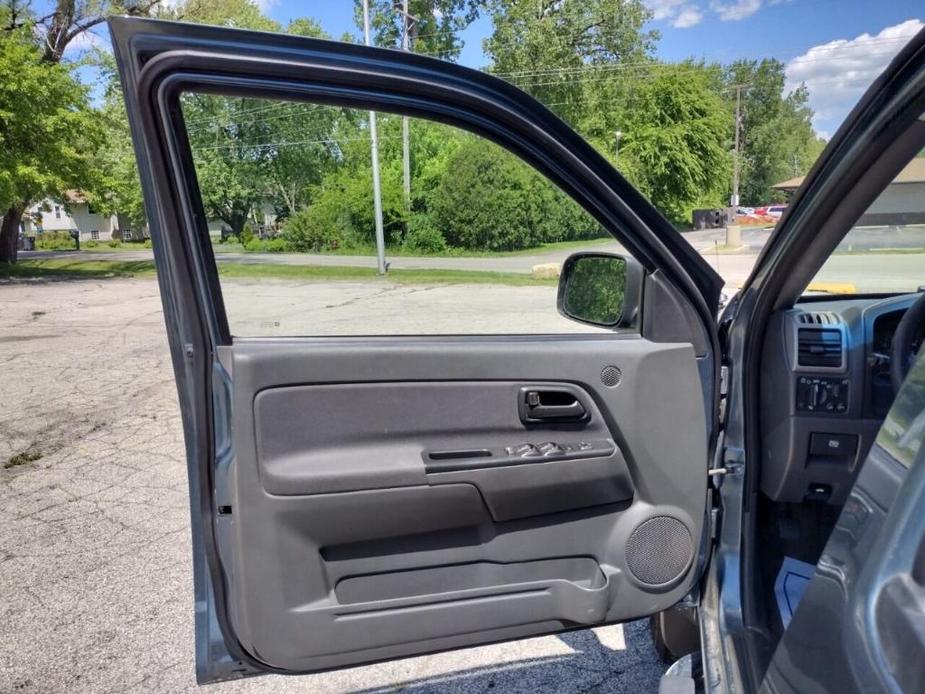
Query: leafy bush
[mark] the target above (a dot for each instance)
(489, 200)
(92, 244)
(147, 243)
(247, 235)
(560, 218)
(114, 243)
(423, 237)
(308, 231)
(275, 245)
(483, 200)
(54, 241)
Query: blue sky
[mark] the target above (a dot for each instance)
(836, 46)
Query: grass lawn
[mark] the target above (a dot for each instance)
(396, 251)
(63, 268)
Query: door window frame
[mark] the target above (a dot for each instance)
(566, 161)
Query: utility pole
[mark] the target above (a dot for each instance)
(407, 21)
(734, 202)
(377, 193)
(617, 136)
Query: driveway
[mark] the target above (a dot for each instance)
(94, 533)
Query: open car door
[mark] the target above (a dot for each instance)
(357, 499)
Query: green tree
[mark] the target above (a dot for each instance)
(48, 134)
(777, 137)
(243, 148)
(562, 52)
(51, 35)
(118, 189)
(238, 14)
(435, 24)
(234, 143)
(675, 137)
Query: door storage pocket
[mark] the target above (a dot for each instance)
(439, 581)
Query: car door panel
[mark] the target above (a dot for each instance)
(343, 546)
(353, 499)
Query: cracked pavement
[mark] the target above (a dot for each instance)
(95, 566)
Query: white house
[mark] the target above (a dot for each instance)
(52, 215)
(76, 213)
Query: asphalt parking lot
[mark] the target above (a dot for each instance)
(95, 565)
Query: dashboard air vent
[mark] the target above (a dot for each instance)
(819, 347)
(818, 318)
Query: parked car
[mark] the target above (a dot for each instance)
(772, 211)
(363, 499)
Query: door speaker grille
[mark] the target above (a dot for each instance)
(611, 376)
(659, 550)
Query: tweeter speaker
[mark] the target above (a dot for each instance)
(659, 550)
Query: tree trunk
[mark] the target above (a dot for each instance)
(9, 235)
(237, 222)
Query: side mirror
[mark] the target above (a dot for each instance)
(600, 289)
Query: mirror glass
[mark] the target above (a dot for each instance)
(592, 289)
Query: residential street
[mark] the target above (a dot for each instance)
(854, 263)
(94, 534)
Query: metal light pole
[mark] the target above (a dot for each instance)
(377, 193)
(616, 154)
(405, 134)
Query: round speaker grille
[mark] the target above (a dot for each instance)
(611, 376)
(659, 550)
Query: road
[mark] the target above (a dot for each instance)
(94, 534)
(868, 272)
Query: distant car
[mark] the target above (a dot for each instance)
(772, 211)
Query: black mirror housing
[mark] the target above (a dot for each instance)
(601, 289)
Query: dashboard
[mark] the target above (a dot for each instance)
(825, 389)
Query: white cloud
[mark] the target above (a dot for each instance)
(838, 72)
(681, 13)
(663, 9)
(690, 15)
(735, 10)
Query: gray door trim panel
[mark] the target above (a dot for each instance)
(505, 547)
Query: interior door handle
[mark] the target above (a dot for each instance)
(558, 405)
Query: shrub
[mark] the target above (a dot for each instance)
(247, 235)
(484, 200)
(423, 236)
(54, 241)
(114, 243)
(92, 244)
(275, 245)
(305, 232)
(147, 243)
